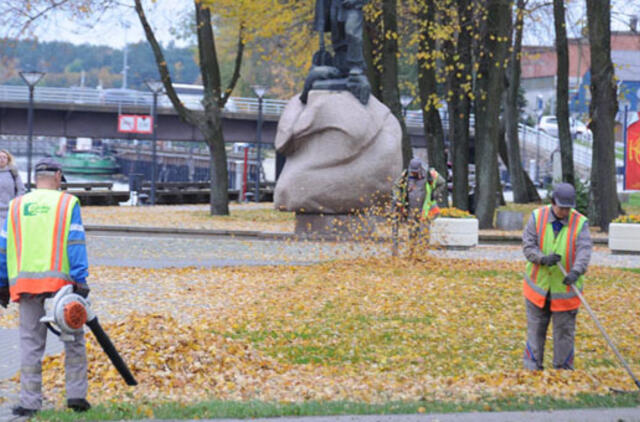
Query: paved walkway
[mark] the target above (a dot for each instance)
(162, 251)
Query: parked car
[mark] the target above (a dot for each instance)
(549, 124)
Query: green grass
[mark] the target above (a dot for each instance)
(633, 205)
(255, 409)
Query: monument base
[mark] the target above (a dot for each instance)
(334, 226)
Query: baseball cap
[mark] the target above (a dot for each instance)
(415, 165)
(564, 195)
(49, 164)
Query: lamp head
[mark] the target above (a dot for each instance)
(405, 100)
(31, 77)
(154, 86)
(259, 90)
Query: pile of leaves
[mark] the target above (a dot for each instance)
(366, 330)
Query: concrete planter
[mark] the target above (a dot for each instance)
(624, 237)
(454, 232)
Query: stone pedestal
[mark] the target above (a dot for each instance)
(334, 226)
(342, 156)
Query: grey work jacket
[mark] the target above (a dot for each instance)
(531, 245)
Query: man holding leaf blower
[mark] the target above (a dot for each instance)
(42, 249)
(556, 233)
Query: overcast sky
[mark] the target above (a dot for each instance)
(122, 25)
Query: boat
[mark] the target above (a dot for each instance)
(88, 162)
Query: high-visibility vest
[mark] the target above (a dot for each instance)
(37, 233)
(430, 207)
(541, 279)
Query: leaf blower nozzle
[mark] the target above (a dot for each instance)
(69, 312)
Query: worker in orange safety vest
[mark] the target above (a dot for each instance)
(556, 233)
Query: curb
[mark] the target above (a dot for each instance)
(263, 235)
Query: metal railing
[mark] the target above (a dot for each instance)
(120, 97)
(548, 144)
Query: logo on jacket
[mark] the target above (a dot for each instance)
(32, 209)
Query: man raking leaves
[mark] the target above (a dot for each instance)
(555, 234)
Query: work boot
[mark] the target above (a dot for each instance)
(23, 411)
(78, 405)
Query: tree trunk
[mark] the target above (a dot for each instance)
(562, 93)
(370, 40)
(459, 106)
(433, 132)
(218, 168)
(208, 122)
(602, 110)
(512, 112)
(531, 191)
(490, 84)
(389, 82)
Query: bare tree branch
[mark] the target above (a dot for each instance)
(209, 67)
(187, 114)
(236, 69)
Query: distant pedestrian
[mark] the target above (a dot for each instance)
(555, 234)
(11, 184)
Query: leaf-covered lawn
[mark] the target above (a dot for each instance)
(364, 330)
(242, 217)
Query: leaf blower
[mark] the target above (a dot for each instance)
(69, 312)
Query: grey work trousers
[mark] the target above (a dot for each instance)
(564, 330)
(33, 337)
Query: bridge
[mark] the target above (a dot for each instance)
(93, 113)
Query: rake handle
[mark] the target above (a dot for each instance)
(601, 328)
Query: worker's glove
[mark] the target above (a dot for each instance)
(550, 260)
(571, 278)
(81, 289)
(4, 296)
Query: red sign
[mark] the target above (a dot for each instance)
(632, 160)
(131, 123)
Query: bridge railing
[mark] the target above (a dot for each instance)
(91, 96)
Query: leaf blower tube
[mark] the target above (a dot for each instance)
(69, 312)
(110, 350)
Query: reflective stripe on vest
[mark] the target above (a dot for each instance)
(430, 207)
(29, 270)
(15, 223)
(539, 280)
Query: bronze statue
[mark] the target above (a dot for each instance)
(345, 69)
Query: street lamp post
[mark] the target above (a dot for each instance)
(156, 88)
(260, 91)
(31, 78)
(405, 101)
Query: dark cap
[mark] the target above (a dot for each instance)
(564, 195)
(49, 164)
(415, 165)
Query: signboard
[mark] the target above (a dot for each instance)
(132, 123)
(632, 158)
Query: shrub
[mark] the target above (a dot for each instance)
(454, 213)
